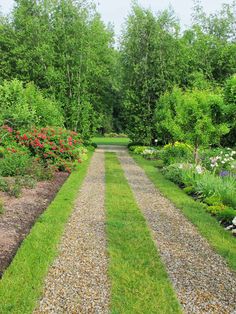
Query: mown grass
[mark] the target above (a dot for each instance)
(222, 241)
(111, 141)
(22, 283)
(139, 281)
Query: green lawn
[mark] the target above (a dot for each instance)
(111, 141)
(222, 241)
(22, 283)
(139, 281)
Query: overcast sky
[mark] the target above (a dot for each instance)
(115, 11)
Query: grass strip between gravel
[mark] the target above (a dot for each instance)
(222, 241)
(22, 283)
(139, 280)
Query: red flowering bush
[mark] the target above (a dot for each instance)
(54, 147)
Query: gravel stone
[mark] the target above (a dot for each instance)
(201, 278)
(77, 282)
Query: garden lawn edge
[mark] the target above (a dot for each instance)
(219, 239)
(139, 280)
(120, 141)
(22, 283)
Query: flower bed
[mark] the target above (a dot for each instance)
(36, 154)
(212, 182)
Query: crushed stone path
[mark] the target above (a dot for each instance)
(201, 278)
(77, 281)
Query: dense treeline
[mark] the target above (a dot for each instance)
(156, 56)
(61, 51)
(65, 49)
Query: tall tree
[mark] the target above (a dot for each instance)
(152, 63)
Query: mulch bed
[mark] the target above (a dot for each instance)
(21, 213)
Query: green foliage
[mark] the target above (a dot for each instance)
(138, 149)
(226, 216)
(118, 135)
(216, 209)
(1, 206)
(189, 190)
(151, 62)
(16, 189)
(165, 116)
(204, 183)
(24, 107)
(14, 164)
(173, 172)
(230, 101)
(194, 116)
(4, 186)
(213, 200)
(219, 160)
(66, 50)
(176, 153)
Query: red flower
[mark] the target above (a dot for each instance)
(24, 137)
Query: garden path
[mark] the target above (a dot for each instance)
(201, 278)
(77, 281)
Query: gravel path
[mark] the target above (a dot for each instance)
(77, 281)
(201, 278)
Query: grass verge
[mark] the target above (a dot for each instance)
(140, 283)
(22, 283)
(111, 141)
(221, 240)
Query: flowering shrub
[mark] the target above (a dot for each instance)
(150, 153)
(57, 148)
(219, 161)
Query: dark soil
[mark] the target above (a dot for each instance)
(21, 213)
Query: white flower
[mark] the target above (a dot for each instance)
(199, 169)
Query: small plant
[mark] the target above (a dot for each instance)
(15, 162)
(174, 173)
(189, 190)
(216, 209)
(16, 189)
(213, 200)
(226, 216)
(150, 153)
(138, 149)
(4, 186)
(1, 206)
(28, 182)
